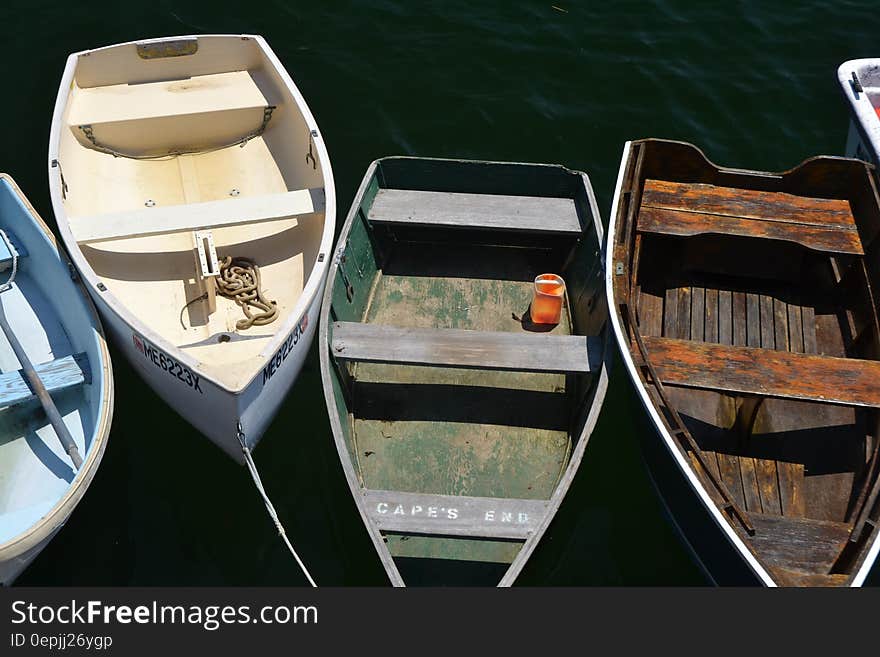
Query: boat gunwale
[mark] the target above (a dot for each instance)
(598, 388)
(318, 272)
(672, 446)
(55, 517)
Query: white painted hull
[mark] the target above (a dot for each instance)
(222, 400)
(863, 140)
(210, 409)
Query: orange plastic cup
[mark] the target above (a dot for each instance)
(547, 299)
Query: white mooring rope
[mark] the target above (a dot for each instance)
(252, 468)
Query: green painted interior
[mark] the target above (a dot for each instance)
(450, 430)
(441, 547)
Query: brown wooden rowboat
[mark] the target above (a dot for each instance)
(745, 306)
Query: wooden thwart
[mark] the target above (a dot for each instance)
(766, 372)
(56, 375)
(233, 91)
(453, 515)
(485, 211)
(798, 543)
(533, 352)
(692, 209)
(197, 216)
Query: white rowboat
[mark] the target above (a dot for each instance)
(165, 157)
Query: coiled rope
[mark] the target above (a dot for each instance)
(239, 280)
(255, 475)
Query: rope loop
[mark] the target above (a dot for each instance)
(8, 284)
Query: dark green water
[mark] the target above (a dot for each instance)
(752, 83)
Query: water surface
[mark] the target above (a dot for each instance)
(752, 83)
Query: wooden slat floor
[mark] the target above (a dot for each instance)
(739, 319)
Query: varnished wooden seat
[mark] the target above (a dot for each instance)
(687, 209)
(490, 350)
(766, 372)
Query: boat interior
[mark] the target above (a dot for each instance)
(50, 319)
(175, 155)
(450, 398)
(750, 303)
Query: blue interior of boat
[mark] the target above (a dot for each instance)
(49, 315)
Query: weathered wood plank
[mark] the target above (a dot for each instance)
(452, 515)
(650, 313)
(56, 376)
(797, 578)
(808, 317)
(683, 315)
(798, 543)
(768, 338)
(710, 326)
(728, 465)
(780, 325)
(492, 350)
(688, 224)
(485, 211)
(670, 313)
(791, 493)
(795, 329)
(768, 485)
(748, 203)
(740, 323)
(725, 317)
(753, 320)
(767, 372)
(698, 313)
(750, 483)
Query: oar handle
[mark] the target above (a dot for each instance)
(42, 394)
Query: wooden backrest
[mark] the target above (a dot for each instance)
(685, 209)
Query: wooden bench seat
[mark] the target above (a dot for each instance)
(56, 375)
(531, 352)
(197, 216)
(454, 515)
(484, 211)
(766, 372)
(201, 111)
(802, 544)
(235, 90)
(685, 210)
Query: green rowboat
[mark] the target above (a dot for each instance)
(460, 424)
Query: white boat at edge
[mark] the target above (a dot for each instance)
(859, 81)
(160, 147)
(59, 331)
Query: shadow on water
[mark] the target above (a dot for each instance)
(752, 84)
